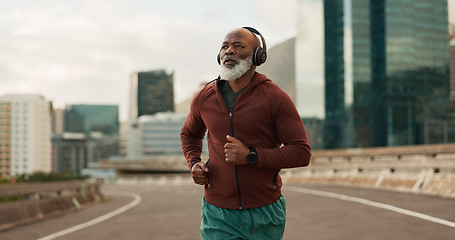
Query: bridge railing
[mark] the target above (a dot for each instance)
(28, 202)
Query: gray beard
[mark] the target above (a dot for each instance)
(242, 66)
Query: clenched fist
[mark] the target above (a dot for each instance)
(199, 173)
(235, 151)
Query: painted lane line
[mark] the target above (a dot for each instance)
(373, 204)
(135, 202)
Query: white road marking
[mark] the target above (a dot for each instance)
(136, 201)
(372, 203)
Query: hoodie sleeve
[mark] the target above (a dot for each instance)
(295, 148)
(192, 134)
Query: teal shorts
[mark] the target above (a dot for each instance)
(262, 223)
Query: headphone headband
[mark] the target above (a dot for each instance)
(253, 30)
(259, 54)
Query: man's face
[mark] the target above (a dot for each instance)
(236, 54)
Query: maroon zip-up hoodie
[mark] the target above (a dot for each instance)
(265, 118)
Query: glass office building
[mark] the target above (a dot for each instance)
(92, 118)
(386, 70)
(91, 134)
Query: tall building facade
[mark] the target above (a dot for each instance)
(386, 70)
(309, 60)
(151, 92)
(25, 138)
(5, 139)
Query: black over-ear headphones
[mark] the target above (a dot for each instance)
(259, 53)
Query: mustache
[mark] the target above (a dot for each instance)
(230, 58)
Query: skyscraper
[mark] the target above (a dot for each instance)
(151, 92)
(386, 70)
(26, 142)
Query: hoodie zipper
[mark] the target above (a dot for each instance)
(235, 167)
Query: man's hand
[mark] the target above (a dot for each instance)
(235, 151)
(199, 173)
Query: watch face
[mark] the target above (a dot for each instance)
(252, 158)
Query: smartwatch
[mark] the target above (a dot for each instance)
(252, 156)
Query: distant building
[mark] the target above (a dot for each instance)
(58, 121)
(90, 134)
(84, 118)
(25, 138)
(314, 127)
(123, 138)
(309, 59)
(280, 66)
(439, 131)
(5, 138)
(70, 152)
(386, 71)
(151, 92)
(76, 152)
(452, 68)
(153, 135)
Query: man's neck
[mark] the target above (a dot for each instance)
(239, 83)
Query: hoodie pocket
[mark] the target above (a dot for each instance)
(275, 177)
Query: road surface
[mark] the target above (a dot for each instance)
(161, 209)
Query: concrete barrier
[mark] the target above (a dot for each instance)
(157, 164)
(426, 169)
(42, 200)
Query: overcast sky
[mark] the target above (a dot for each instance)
(83, 52)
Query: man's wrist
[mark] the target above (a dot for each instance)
(192, 165)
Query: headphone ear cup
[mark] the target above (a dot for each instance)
(262, 56)
(218, 58)
(255, 56)
(259, 56)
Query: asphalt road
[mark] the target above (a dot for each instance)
(162, 209)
